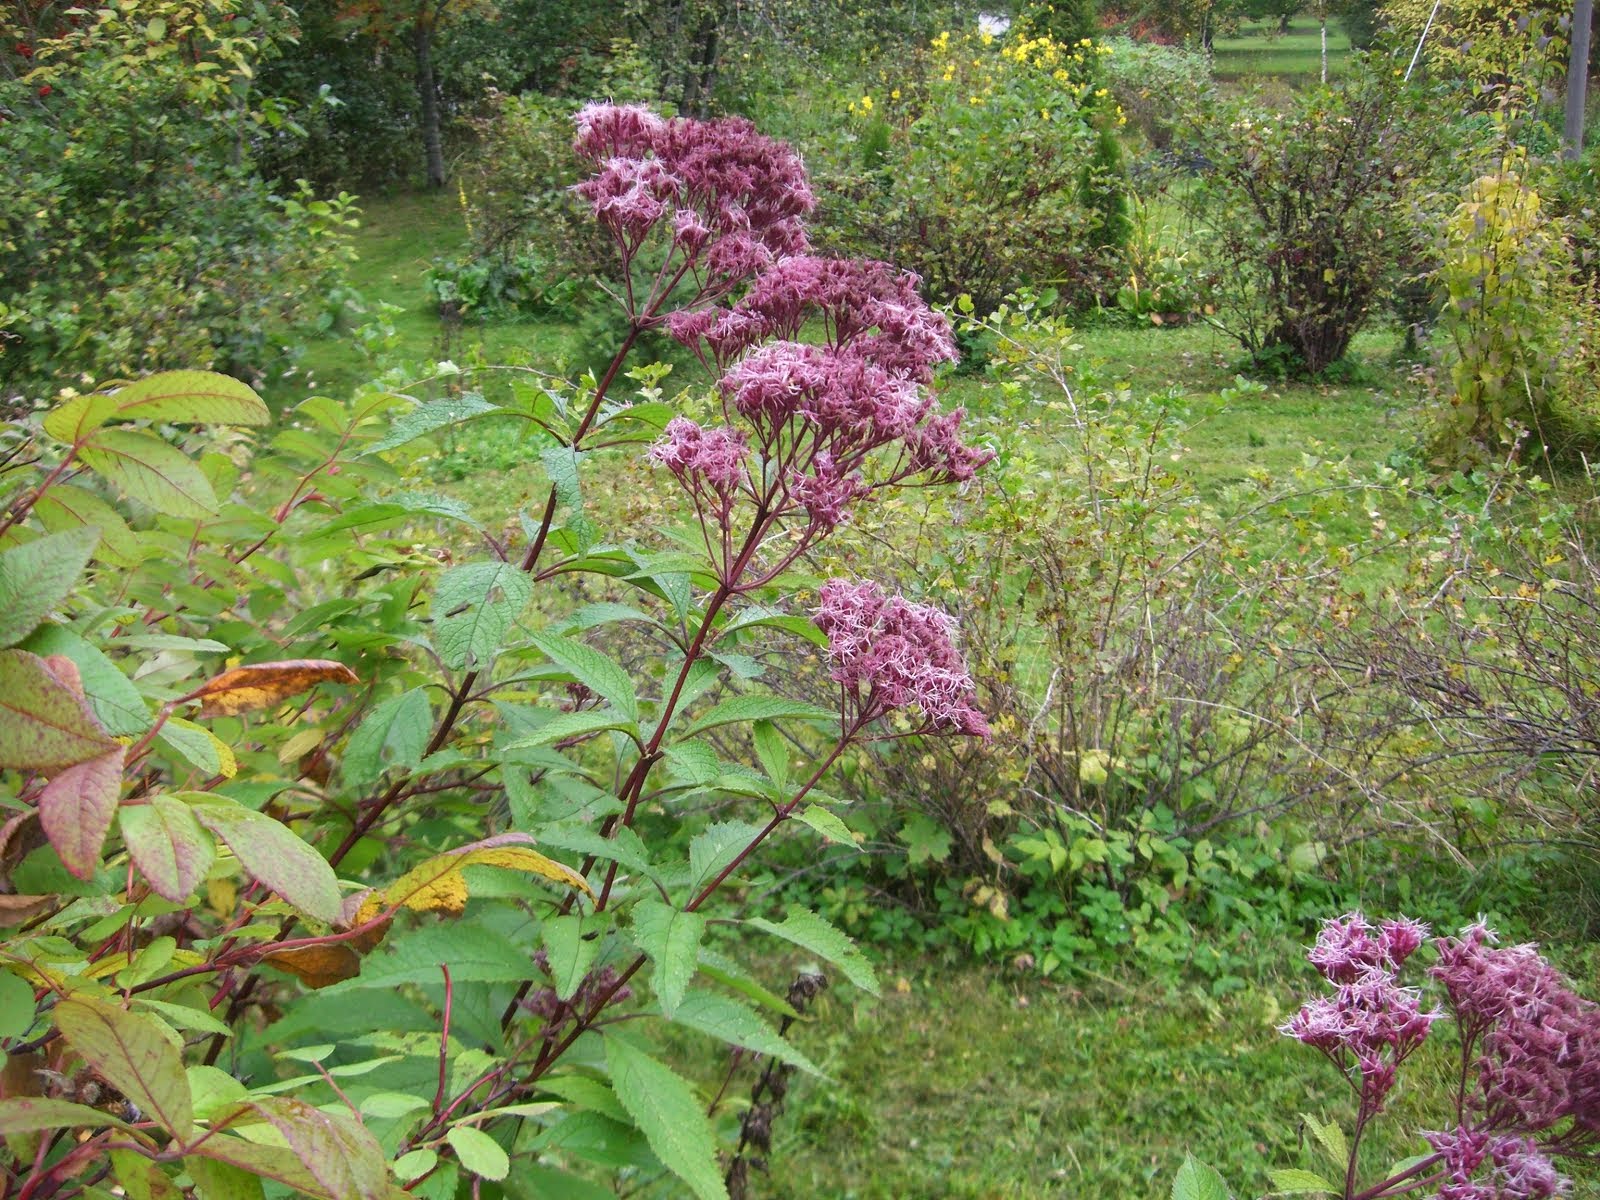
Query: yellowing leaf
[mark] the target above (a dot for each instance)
(317, 966)
(439, 886)
(262, 685)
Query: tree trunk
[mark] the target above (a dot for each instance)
(1578, 77)
(1324, 49)
(428, 94)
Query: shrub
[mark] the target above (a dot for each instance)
(1155, 85)
(280, 744)
(1306, 212)
(980, 171)
(136, 234)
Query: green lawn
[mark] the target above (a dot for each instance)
(1260, 50)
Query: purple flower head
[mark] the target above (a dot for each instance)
(827, 493)
(737, 200)
(889, 653)
(1348, 946)
(1371, 1024)
(939, 454)
(1523, 1173)
(692, 453)
(1463, 1151)
(864, 305)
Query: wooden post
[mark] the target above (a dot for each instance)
(1578, 77)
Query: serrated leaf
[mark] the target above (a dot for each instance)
(478, 1152)
(33, 1114)
(671, 937)
(135, 1057)
(827, 824)
(255, 686)
(430, 417)
(575, 724)
(151, 472)
(721, 969)
(669, 1114)
(591, 668)
(1293, 1182)
(474, 607)
(36, 576)
(44, 724)
(334, 1147)
(754, 618)
(473, 954)
(561, 464)
(76, 808)
(438, 884)
(757, 708)
(810, 932)
(592, 616)
(1196, 1181)
(714, 847)
(568, 953)
(1330, 1137)
(117, 704)
(732, 1022)
(772, 751)
(168, 846)
(624, 847)
(394, 734)
(273, 855)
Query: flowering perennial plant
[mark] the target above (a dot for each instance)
(365, 886)
(1529, 1088)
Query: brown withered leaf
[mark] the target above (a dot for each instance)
(16, 910)
(261, 685)
(317, 966)
(358, 909)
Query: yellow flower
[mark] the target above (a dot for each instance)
(866, 104)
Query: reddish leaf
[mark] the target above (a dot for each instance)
(134, 1055)
(168, 846)
(76, 808)
(44, 724)
(274, 856)
(338, 1151)
(261, 685)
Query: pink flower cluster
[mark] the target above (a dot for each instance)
(1371, 1024)
(888, 653)
(1539, 1043)
(1517, 1169)
(732, 200)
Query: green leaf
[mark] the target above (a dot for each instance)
(591, 668)
(36, 576)
(753, 618)
(714, 847)
(592, 616)
(336, 1148)
(44, 724)
(724, 970)
(198, 746)
(168, 846)
(67, 507)
(624, 847)
(117, 704)
(394, 734)
(151, 472)
(810, 932)
(773, 752)
(827, 824)
(1330, 1137)
(670, 1115)
(134, 1054)
(671, 937)
(221, 1181)
(1293, 1181)
(181, 397)
(273, 855)
(925, 839)
(32, 1114)
(76, 808)
(267, 1162)
(561, 464)
(478, 1152)
(534, 1181)
(141, 1179)
(474, 607)
(16, 1005)
(473, 953)
(732, 1022)
(1196, 1181)
(431, 416)
(757, 708)
(568, 952)
(575, 724)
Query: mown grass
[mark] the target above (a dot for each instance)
(1296, 56)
